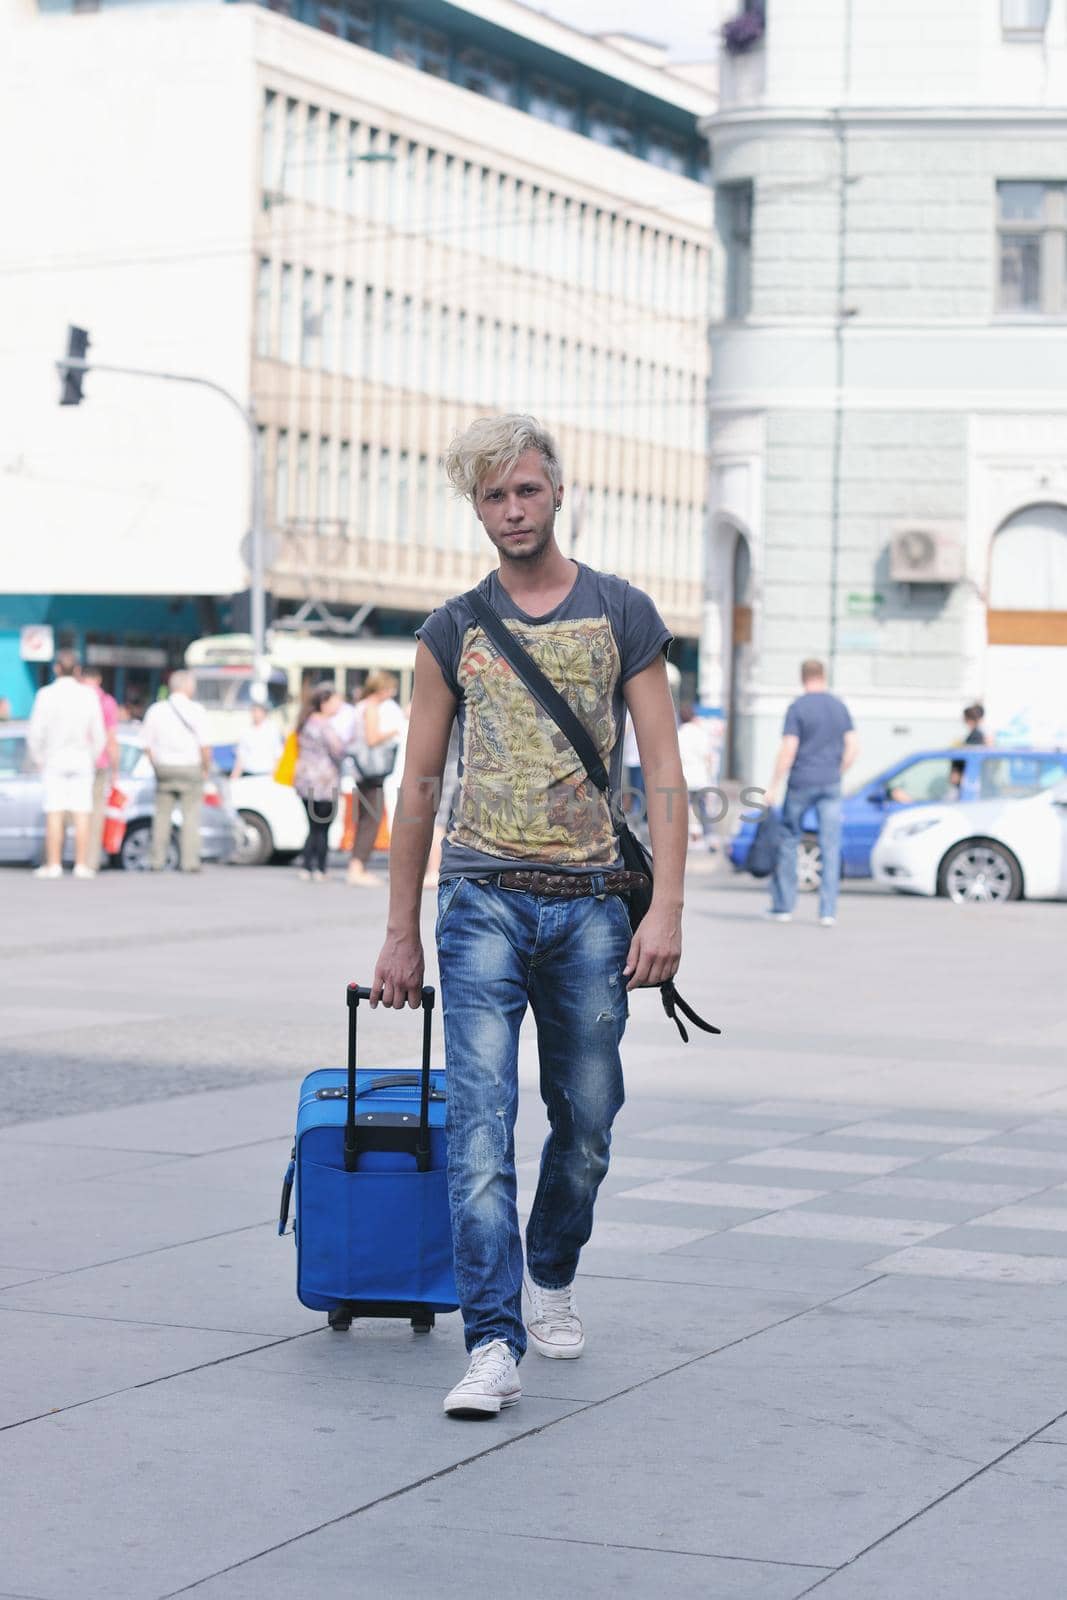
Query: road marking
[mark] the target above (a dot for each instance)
(1052, 1219)
(917, 1132)
(978, 1194)
(1002, 1155)
(823, 1160)
(739, 1196)
(927, 1261)
(832, 1225)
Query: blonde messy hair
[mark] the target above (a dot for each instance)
(491, 446)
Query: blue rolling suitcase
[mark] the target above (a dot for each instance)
(372, 1228)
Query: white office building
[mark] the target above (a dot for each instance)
(371, 222)
(888, 402)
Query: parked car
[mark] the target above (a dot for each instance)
(272, 820)
(22, 816)
(959, 774)
(985, 850)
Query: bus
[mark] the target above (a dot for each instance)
(223, 666)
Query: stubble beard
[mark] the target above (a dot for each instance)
(540, 540)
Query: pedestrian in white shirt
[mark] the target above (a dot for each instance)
(694, 746)
(66, 735)
(259, 748)
(175, 736)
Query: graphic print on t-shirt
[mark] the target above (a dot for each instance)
(524, 793)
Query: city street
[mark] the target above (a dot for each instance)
(825, 1298)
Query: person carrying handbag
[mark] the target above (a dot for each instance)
(374, 743)
(534, 884)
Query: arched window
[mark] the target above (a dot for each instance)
(1028, 578)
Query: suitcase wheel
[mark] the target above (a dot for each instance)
(423, 1321)
(340, 1321)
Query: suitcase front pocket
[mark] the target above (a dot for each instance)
(375, 1235)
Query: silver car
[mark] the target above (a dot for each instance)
(22, 817)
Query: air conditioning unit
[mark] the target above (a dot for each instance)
(926, 552)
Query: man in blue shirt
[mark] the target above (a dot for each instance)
(818, 746)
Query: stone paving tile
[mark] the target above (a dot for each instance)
(807, 1442)
(238, 1282)
(853, 1203)
(1002, 1155)
(1023, 1240)
(10, 1276)
(1004, 1534)
(187, 1125)
(810, 1111)
(824, 1161)
(789, 1276)
(914, 1132)
(745, 1196)
(788, 1250)
(54, 1361)
(989, 1266)
(394, 1547)
(830, 1225)
(85, 1224)
(213, 1467)
(620, 1206)
(26, 1165)
(1052, 1218)
(721, 1134)
(642, 1237)
(982, 1196)
(663, 1331)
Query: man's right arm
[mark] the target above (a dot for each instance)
(399, 972)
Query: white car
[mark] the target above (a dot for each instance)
(978, 850)
(273, 820)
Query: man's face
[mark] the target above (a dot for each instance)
(518, 508)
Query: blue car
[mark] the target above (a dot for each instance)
(965, 772)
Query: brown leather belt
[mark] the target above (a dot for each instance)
(571, 885)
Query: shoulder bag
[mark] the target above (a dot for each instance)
(636, 858)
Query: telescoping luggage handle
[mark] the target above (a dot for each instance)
(356, 993)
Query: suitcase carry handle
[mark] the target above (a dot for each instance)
(397, 1080)
(421, 1147)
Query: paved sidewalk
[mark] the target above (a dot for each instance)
(825, 1298)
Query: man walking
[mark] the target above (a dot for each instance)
(66, 736)
(175, 736)
(818, 746)
(530, 910)
(107, 762)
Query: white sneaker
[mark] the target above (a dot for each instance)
(304, 875)
(552, 1320)
(48, 872)
(84, 872)
(490, 1383)
(777, 916)
(827, 922)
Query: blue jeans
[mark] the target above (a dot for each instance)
(499, 950)
(827, 802)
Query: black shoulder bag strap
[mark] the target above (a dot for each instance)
(553, 704)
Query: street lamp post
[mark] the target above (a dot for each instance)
(257, 553)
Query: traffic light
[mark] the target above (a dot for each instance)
(72, 377)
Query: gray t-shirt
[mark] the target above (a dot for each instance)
(524, 797)
(820, 721)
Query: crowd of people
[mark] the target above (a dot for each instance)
(73, 744)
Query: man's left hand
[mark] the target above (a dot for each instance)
(656, 948)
